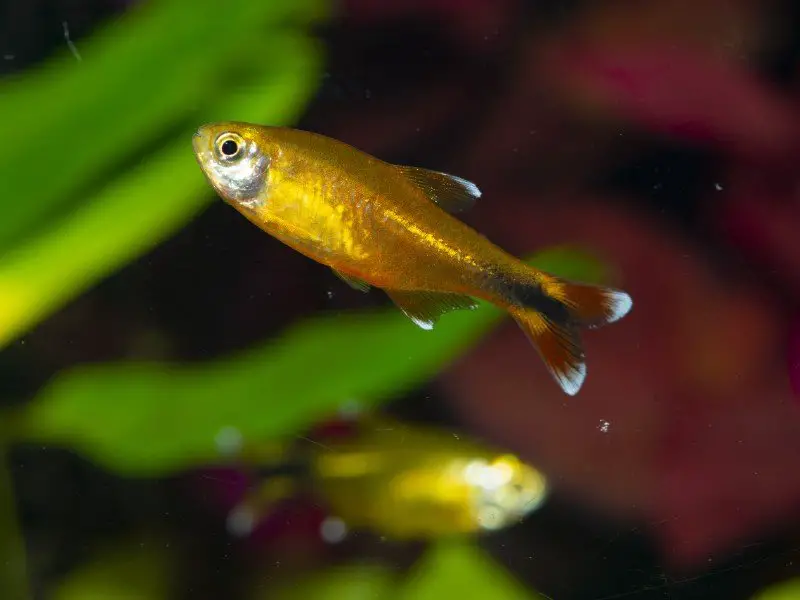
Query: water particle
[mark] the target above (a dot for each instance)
(333, 530)
(330, 294)
(718, 187)
(71, 46)
(604, 426)
(8, 57)
(241, 521)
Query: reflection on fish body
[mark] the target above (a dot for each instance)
(407, 482)
(391, 227)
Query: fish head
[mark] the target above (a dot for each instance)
(235, 158)
(505, 490)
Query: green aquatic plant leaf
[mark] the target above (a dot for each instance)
(459, 569)
(120, 217)
(152, 72)
(785, 590)
(140, 418)
(13, 560)
(344, 582)
(131, 570)
(140, 208)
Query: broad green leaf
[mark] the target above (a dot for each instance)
(785, 590)
(156, 418)
(131, 571)
(68, 123)
(139, 209)
(347, 582)
(459, 569)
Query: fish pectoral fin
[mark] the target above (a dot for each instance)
(452, 194)
(425, 308)
(353, 282)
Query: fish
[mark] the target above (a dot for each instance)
(395, 228)
(396, 479)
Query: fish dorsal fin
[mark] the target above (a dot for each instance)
(353, 282)
(452, 194)
(425, 308)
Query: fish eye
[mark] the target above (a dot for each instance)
(229, 146)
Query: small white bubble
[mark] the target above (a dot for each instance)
(718, 187)
(241, 521)
(333, 530)
(604, 425)
(455, 435)
(228, 440)
(330, 294)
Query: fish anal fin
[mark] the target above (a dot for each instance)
(425, 308)
(559, 345)
(353, 282)
(452, 194)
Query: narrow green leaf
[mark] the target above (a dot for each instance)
(156, 418)
(459, 569)
(67, 123)
(142, 207)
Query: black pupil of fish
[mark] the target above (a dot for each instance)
(229, 147)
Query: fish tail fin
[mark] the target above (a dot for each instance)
(551, 313)
(590, 305)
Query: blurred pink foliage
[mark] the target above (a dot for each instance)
(702, 440)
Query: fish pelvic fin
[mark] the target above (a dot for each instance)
(353, 282)
(551, 314)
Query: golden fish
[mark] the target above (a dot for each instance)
(402, 481)
(388, 226)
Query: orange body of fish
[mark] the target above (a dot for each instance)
(392, 227)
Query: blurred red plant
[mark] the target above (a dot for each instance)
(702, 434)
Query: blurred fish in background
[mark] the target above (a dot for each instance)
(397, 480)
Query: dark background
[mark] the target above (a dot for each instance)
(480, 89)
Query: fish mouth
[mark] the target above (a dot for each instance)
(200, 140)
(201, 144)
